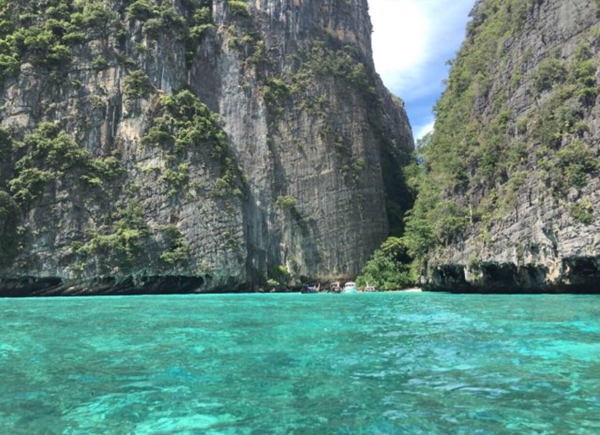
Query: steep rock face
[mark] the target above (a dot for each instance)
(193, 145)
(516, 153)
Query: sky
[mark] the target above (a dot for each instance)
(412, 41)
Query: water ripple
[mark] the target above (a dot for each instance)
(291, 364)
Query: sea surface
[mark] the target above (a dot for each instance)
(393, 363)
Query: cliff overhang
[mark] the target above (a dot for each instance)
(578, 275)
(30, 286)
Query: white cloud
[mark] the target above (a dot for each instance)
(412, 40)
(401, 36)
(422, 130)
(408, 34)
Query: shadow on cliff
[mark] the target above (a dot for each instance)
(579, 275)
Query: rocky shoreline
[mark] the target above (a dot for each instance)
(575, 275)
(582, 276)
(54, 286)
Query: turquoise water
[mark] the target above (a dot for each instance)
(301, 364)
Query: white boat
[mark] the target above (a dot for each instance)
(350, 287)
(369, 288)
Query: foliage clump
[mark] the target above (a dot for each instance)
(157, 18)
(178, 252)
(388, 268)
(9, 218)
(570, 167)
(117, 244)
(46, 40)
(47, 154)
(274, 93)
(238, 8)
(549, 72)
(124, 242)
(141, 10)
(176, 179)
(343, 63)
(47, 33)
(160, 18)
(137, 84)
(583, 212)
(286, 202)
(185, 124)
(278, 275)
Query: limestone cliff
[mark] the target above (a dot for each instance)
(192, 145)
(514, 156)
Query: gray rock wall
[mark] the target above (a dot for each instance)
(212, 216)
(537, 243)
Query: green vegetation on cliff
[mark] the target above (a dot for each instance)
(38, 164)
(119, 242)
(182, 125)
(114, 161)
(48, 154)
(9, 219)
(46, 33)
(483, 155)
(388, 268)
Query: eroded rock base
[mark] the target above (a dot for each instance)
(130, 285)
(577, 275)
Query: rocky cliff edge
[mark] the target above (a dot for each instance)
(191, 146)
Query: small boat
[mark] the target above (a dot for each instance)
(335, 287)
(350, 287)
(310, 288)
(369, 288)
